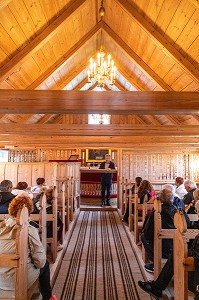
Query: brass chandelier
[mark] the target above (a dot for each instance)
(103, 70)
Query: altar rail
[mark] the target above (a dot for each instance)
(90, 185)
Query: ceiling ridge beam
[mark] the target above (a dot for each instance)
(63, 60)
(138, 61)
(160, 40)
(40, 40)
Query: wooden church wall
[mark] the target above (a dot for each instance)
(152, 165)
(160, 166)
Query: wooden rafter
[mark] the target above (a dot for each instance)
(71, 76)
(120, 86)
(45, 119)
(138, 61)
(160, 40)
(40, 40)
(131, 80)
(153, 120)
(81, 84)
(63, 60)
(84, 102)
(173, 120)
(140, 120)
(196, 117)
(98, 130)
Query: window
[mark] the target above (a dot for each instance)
(3, 155)
(99, 119)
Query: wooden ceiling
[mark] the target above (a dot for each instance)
(46, 46)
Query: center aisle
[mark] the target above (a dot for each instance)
(99, 263)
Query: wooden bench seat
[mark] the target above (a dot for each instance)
(18, 260)
(182, 262)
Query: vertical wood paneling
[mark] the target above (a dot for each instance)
(37, 171)
(11, 173)
(25, 173)
(160, 166)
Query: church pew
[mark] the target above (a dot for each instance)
(159, 234)
(139, 220)
(42, 219)
(18, 260)
(182, 262)
(126, 186)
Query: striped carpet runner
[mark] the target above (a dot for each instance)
(99, 262)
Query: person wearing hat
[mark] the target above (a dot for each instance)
(106, 180)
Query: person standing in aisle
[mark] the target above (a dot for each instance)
(106, 179)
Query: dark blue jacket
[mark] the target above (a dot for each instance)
(107, 177)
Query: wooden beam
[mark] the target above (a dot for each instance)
(98, 130)
(173, 120)
(196, 117)
(63, 60)
(138, 61)
(120, 86)
(86, 102)
(160, 40)
(44, 119)
(40, 40)
(153, 120)
(71, 76)
(118, 141)
(139, 119)
(131, 80)
(81, 84)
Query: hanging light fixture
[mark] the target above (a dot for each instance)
(103, 70)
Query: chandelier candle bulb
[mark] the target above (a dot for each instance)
(103, 71)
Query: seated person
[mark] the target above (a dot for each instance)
(21, 188)
(138, 181)
(49, 210)
(40, 183)
(190, 187)
(180, 188)
(144, 189)
(37, 265)
(5, 195)
(155, 288)
(167, 197)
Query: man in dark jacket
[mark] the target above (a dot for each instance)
(106, 179)
(5, 195)
(170, 204)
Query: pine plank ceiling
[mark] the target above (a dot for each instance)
(47, 44)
